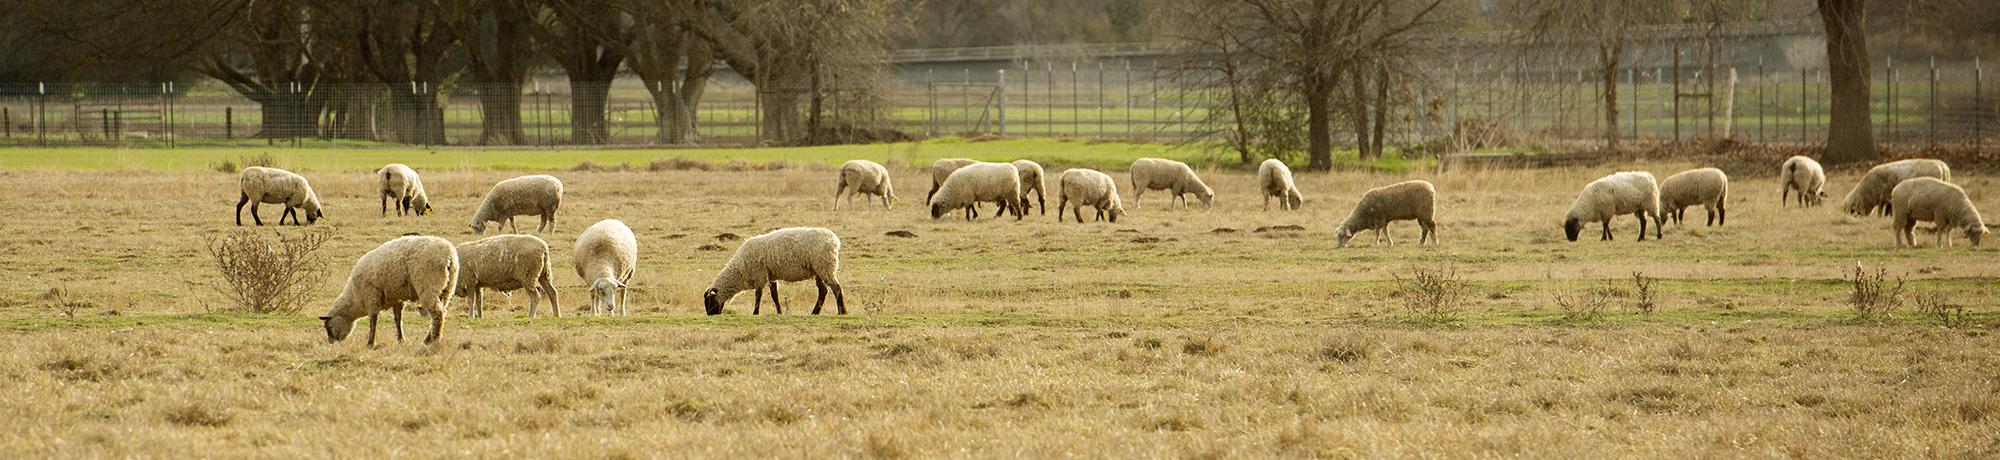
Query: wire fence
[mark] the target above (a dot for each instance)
(1514, 102)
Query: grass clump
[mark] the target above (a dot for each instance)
(1874, 296)
(1433, 294)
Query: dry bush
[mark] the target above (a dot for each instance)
(1587, 303)
(1432, 293)
(1933, 304)
(1644, 298)
(1874, 297)
(267, 275)
(66, 304)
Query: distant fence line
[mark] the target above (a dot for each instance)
(1517, 102)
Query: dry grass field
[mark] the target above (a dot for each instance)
(1174, 333)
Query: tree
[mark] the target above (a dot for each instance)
(588, 39)
(268, 57)
(802, 53)
(1850, 135)
(1604, 27)
(403, 45)
(674, 64)
(498, 45)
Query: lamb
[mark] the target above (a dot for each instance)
(1277, 181)
(864, 177)
(789, 255)
(1633, 193)
(1707, 187)
(942, 169)
(977, 183)
(260, 185)
(520, 196)
(419, 269)
(1031, 180)
(400, 183)
(1089, 188)
(1804, 175)
(1876, 186)
(1172, 176)
(1408, 200)
(1930, 199)
(606, 255)
(506, 263)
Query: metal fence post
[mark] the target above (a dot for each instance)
(42, 114)
(1100, 98)
(1978, 104)
(1000, 99)
(1128, 98)
(1933, 110)
(1075, 106)
(1760, 99)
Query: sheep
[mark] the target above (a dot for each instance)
(1633, 193)
(1031, 180)
(1277, 181)
(400, 183)
(1708, 187)
(506, 263)
(942, 169)
(606, 255)
(1875, 187)
(260, 185)
(418, 269)
(789, 255)
(1172, 176)
(863, 176)
(520, 196)
(1806, 176)
(980, 182)
(1088, 188)
(1408, 200)
(1930, 199)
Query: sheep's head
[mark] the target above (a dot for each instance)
(1113, 214)
(337, 327)
(892, 200)
(1571, 227)
(1344, 235)
(937, 211)
(1207, 197)
(478, 226)
(313, 211)
(421, 204)
(1976, 232)
(604, 292)
(1293, 197)
(712, 301)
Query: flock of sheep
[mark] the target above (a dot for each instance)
(428, 270)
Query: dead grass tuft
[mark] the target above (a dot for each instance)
(1873, 296)
(1204, 346)
(1432, 293)
(197, 414)
(1345, 350)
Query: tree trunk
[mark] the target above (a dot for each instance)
(1381, 111)
(1319, 123)
(1850, 136)
(1357, 112)
(587, 107)
(500, 113)
(1608, 58)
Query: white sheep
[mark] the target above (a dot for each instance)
(981, 182)
(1933, 200)
(789, 255)
(260, 185)
(864, 177)
(1031, 181)
(1276, 179)
(1407, 200)
(400, 183)
(1707, 187)
(942, 169)
(1173, 176)
(419, 269)
(1874, 188)
(1088, 188)
(606, 255)
(1802, 174)
(506, 263)
(521, 196)
(1633, 193)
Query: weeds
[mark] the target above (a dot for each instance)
(1432, 293)
(1587, 303)
(1643, 295)
(264, 275)
(1933, 304)
(65, 304)
(1874, 297)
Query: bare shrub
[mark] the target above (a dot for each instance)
(1432, 293)
(66, 304)
(267, 275)
(1874, 296)
(1587, 303)
(1643, 295)
(1933, 304)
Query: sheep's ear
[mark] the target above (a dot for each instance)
(326, 318)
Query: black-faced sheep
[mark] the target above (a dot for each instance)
(1805, 176)
(1276, 181)
(1635, 193)
(863, 177)
(506, 263)
(521, 196)
(1088, 188)
(1031, 181)
(789, 255)
(982, 182)
(259, 185)
(1173, 176)
(606, 255)
(1706, 187)
(1408, 200)
(1872, 192)
(420, 269)
(1933, 200)
(400, 184)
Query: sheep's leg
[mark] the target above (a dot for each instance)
(1136, 191)
(432, 306)
(838, 189)
(758, 303)
(288, 213)
(1785, 196)
(1642, 224)
(822, 295)
(371, 327)
(1606, 236)
(385, 205)
(1041, 201)
(839, 299)
(1721, 212)
(549, 289)
(1386, 236)
(624, 301)
(775, 306)
(406, 207)
(239, 209)
(397, 313)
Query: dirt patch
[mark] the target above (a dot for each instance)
(901, 234)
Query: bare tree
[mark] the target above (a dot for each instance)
(588, 39)
(498, 46)
(803, 53)
(1604, 28)
(1850, 135)
(674, 64)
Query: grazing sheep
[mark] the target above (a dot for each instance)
(1804, 175)
(1707, 187)
(1408, 200)
(977, 183)
(606, 255)
(419, 269)
(1276, 179)
(942, 169)
(789, 255)
(400, 183)
(1633, 193)
(260, 185)
(520, 196)
(1172, 176)
(864, 177)
(1031, 180)
(1930, 199)
(1875, 186)
(506, 263)
(1088, 188)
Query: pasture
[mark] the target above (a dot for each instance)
(1173, 333)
